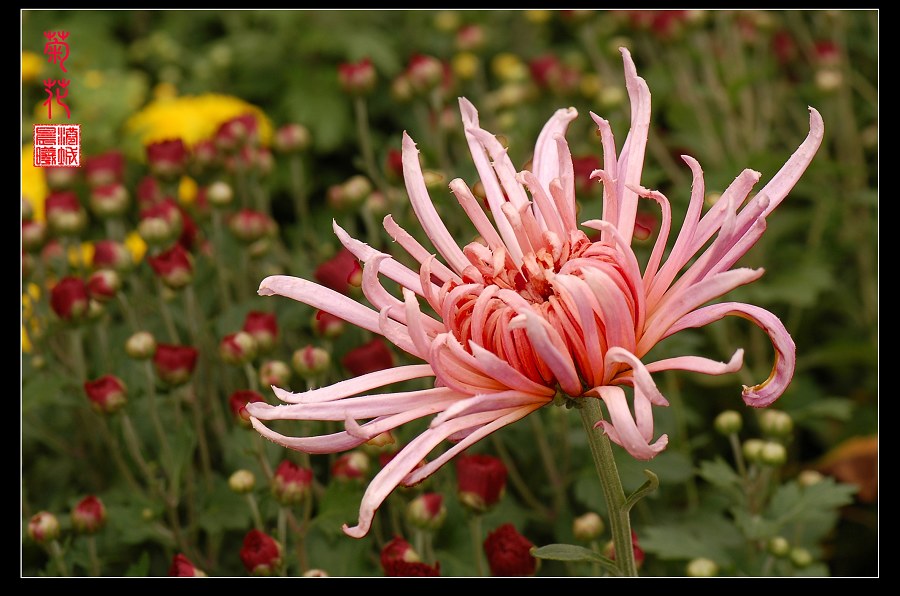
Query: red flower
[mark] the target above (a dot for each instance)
(425, 72)
(509, 553)
(260, 554)
(249, 226)
(189, 231)
(43, 527)
(89, 515)
(542, 67)
(103, 285)
(263, 326)
(64, 212)
(427, 511)
(148, 192)
(238, 402)
(291, 483)
(161, 222)
(205, 152)
(339, 272)
(109, 200)
(105, 168)
(175, 364)
(481, 481)
(291, 138)
(350, 466)
(167, 158)
(237, 131)
(394, 164)
(173, 267)
(357, 78)
(369, 357)
(398, 559)
(182, 567)
(69, 299)
(109, 254)
(237, 348)
(107, 394)
(327, 325)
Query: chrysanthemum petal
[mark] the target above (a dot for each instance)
(699, 364)
(356, 385)
(627, 434)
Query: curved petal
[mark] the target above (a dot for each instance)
(631, 159)
(356, 385)
(332, 443)
(699, 364)
(623, 430)
(641, 376)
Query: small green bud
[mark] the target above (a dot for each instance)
(776, 423)
(810, 477)
(242, 481)
(728, 422)
(752, 449)
(773, 454)
(778, 546)
(701, 567)
(801, 557)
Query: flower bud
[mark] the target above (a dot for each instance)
(237, 348)
(103, 285)
(776, 423)
(327, 325)
(175, 364)
(109, 200)
(481, 481)
(310, 361)
(337, 272)
(43, 527)
(728, 422)
(509, 553)
(106, 168)
(167, 159)
(260, 553)
(69, 299)
(778, 546)
(274, 372)
(772, 454)
(109, 254)
(702, 567)
(809, 477)
(470, 37)
(237, 403)
(424, 72)
(315, 573)
(369, 357)
(242, 481)
(263, 326)
(107, 394)
(161, 223)
(801, 557)
(752, 449)
(64, 212)
(350, 466)
(60, 178)
(588, 527)
(89, 515)
(427, 511)
(248, 225)
(141, 345)
(219, 194)
(829, 79)
(174, 267)
(291, 483)
(34, 234)
(291, 138)
(434, 180)
(381, 442)
(237, 132)
(357, 78)
(399, 559)
(182, 567)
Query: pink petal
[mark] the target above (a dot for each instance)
(399, 273)
(416, 250)
(622, 429)
(641, 376)
(357, 385)
(631, 159)
(699, 364)
(545, 164)
(322, 444)
(365, 406)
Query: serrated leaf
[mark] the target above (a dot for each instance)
(792, 502)
(720, 474)
(574, 554)
(706, 536)
(139, 568)
(754, 526)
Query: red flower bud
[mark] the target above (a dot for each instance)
(337, 272)
(59, 178)
(107, 394)
(249, 226)
(327, 325)
(175, 364)
(182, 567)
(260, 554)
(65, 214)
(161, 223)
(237, 348)
(167, 158)
(43, 527)
(105, 168)
(509, 553)
(89, 515)
(357, 78)
(148, 192)
(291, 138)
(310, 361)
(103, 285)
(470, 37)
(34, 233)
(109, 254)
(398, 559)
(263, 326)
(481, 481)
(174, 267)
(394, 165)
(69, 299)
(238, 131)
(424, 72)
(582, 168)
(350, 466)
(291, 483)
(427, 511)
(274, 372)
(109, 200)
(369, 357)
(237, 403)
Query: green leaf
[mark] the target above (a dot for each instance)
(754, 526)
(575, 554)
(720, 474)
(710, 536)
(648, 487)
(792, 502)
(339, 505)
(139, 568)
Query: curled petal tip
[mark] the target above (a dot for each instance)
(355, 531)
(264, 289)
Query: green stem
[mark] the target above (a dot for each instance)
(282, 537)
(252, 377)
(77, 348)
(168, 321)
(547, 457)
(517, 481)
(477, 548)
(92, 554)
(437, 109)
(254, 511)
(116, 451)
(302, 557)
(738, 455)
(601, 450)
(129, 312)
(168, 461)
(365, 142)
(221, 270)
(57, 555)
(200, 431)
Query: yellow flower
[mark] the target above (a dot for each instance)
(34, 185)
(192, 118)
(31, 67)
(26, 343)
(509, 67)
(82, 256)
(187, 190)
(465, 65)
(136, 246)
(537, 16)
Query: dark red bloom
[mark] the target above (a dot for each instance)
(357, 78)
(339, 272)
(394, 164)
(174, 266)
(237, 404)
(161, 222)
(105, 168)
(425, 72)
(69, 299)
(103, 285)
(189, 230)
(481, 480)
(827, 52)
(175, 364)
(109, 200)
(167, 158)
(291, 483)
(106, 394)
(398, 559)
(542, 68)
(182, 567)
(89, 515)
(369, 357)
(109, 254)
(263, 326)
(784, 46)
(350, 466)
(260, 554)
(509, 553)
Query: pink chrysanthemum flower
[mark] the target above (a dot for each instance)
(536, 308)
